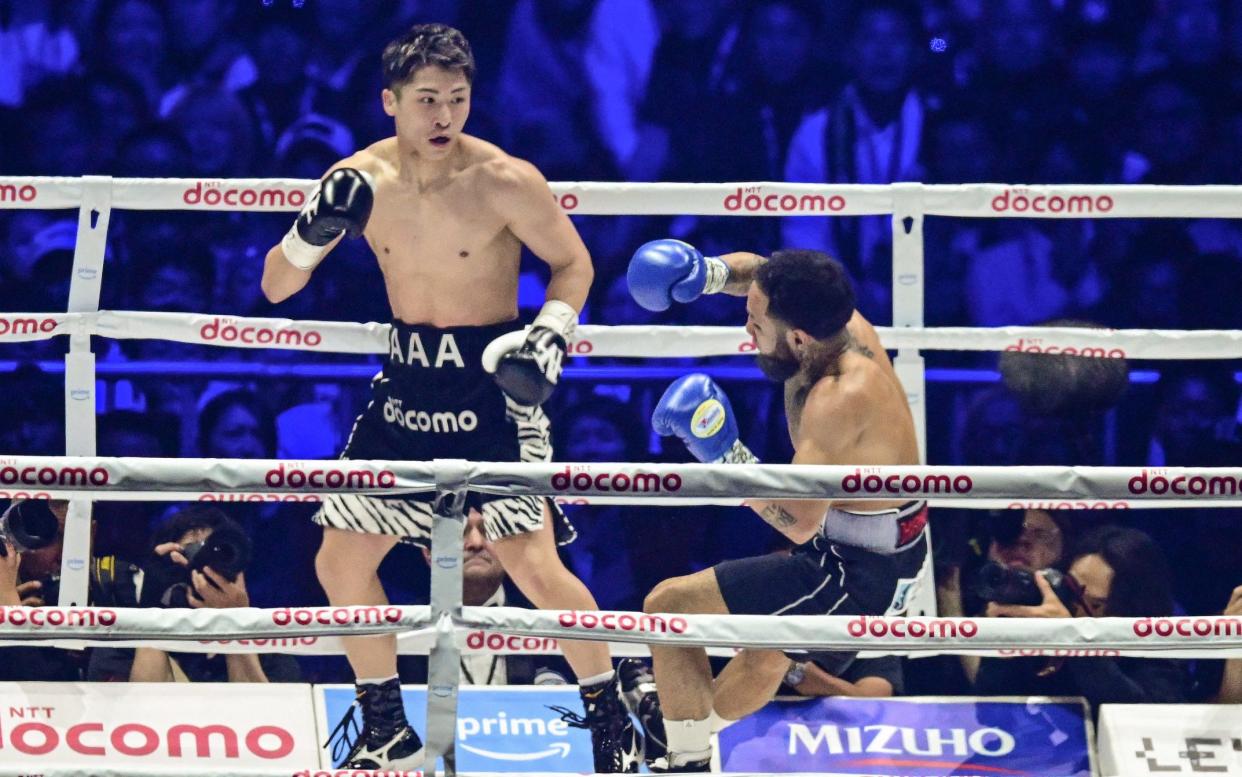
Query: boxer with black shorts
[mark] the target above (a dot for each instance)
(844, 405)
(446, 215)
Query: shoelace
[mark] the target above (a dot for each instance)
(602, 724)
(350, 736)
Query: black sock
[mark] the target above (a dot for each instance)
(383, 714)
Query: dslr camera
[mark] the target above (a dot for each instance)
(28, 525)
(166, 583)
(1009, 585)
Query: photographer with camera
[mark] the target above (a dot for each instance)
(1114, 571)
(198, 559)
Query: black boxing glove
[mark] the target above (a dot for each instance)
(341, 203)
(527, 365)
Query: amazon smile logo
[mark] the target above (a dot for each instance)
(556, 748)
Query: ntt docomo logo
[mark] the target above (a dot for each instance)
(1033, 346)
(137, 739)
(26, 326)
(214, 194)
(860, 482)
(328, 478)
(13, 193)
(305, 616)
(508, 643)
(44, 617)
(1023, 201)
(1151, 481)
(53, 476)
(936, 628)
(753, 200)
(567, 201)
(228, 330)
(624, 621)
(639, 482)
(1217, 626)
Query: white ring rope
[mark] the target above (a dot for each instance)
(153, 479)
(614, 341)
(766, 198)
(1216, 635)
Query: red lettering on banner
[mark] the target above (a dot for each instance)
(580, 479)
(1159, 482)
(1024, 201)
(909, 628)
(13, 193)
(754, 200)
(213, 194)
(906, 485)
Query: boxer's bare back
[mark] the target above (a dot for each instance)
(449, 247)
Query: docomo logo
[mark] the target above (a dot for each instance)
(1059, 652)
(1021, 201)
(259, 498)
(639, 482)
(567, 201)
(52, 617)
(1033, 346)
(624, 621)
(53, 476)
(137, 739)
(1217, 626)
(1102, 505)
(327, 478)
(339, 616)
(213, 194)
(748, 346)
(580, 348)
(11, 325)
(905, 484)
(356, 773)
(492, 642)
(905, 628)
(25, 495)
(1182, 485)
(264, 642)
(421, 421)
(753, 200)
(14, 193)
(233, 331)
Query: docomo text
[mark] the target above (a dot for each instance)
(637, 482)
(1217, 626)
(218, 194)
(282, 477)
(864, 481)
(53, 617)
(13, 193)
(494, 642)
(335, 616)
(1035, 346)
(906, 628)
(105, 739)
(754, 200)
(15, 325)
(227, 330)
(13, 475)
(624, 621)
(1162, 482)
(1026, 201)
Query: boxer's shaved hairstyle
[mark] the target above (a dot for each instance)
(436, 45)
(807, 290)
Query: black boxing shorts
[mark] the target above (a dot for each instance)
(433, 400)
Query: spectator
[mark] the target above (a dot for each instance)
(619, 54)
(1121, 573)
(36, 413)
(1168, 127)
(1230, 689)
(203, 50)
(122, 528)
(872, 132)
(33, 46)
(483, 578)
(118, 108)
(56, 131)
(167, 565)
(153, 151)
(1195, 420)
(281, 93)
(219, 129)
(132, 38)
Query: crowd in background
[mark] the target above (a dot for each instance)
(940, 91)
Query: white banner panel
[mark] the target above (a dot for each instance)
(157, 725)
(1168, 739)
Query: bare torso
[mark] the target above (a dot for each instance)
(882, 426)
(447, 255)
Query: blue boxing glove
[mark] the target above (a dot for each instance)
(695, 409)
(666, 270)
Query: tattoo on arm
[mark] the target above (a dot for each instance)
(778, 517)
(742, 268)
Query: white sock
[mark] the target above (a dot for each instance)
(718, 723)
(688, 740)
(375, 680)
(597, 679)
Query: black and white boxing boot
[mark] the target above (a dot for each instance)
(614, 740)
(386, 740)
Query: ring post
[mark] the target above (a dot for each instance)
(444, 661)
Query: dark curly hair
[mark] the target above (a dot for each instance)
(807, 290)
(426, 45)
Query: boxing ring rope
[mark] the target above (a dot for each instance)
(906, 203)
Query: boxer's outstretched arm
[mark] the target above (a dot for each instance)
(521, 194)
(742, 267)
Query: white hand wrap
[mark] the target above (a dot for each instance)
(717, 275)
(558, 316)
(298, 252)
